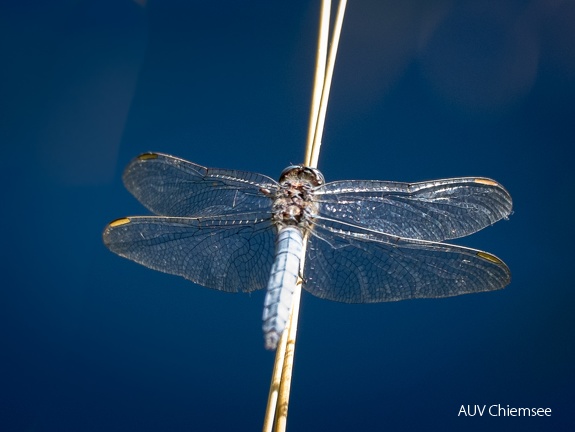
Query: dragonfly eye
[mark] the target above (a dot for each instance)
(302, 172)
(287, 171)
(320, 179)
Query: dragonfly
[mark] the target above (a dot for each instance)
(366, 241)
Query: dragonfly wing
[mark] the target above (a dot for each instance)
(434, 210)
(217, 253)
(353, 265)
(170, 186)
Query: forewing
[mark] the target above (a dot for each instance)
(435, 210)
(170, 186)
(358, 266)
(217, 253)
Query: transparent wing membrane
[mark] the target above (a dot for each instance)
(170, 186)
(352, 265)
(218, 253)
(435, 210)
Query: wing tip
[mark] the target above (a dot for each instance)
(506, 195)
(110, 228)
(499, 263)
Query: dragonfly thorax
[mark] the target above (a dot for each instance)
(293, 204)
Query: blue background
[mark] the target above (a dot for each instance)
(422, 90)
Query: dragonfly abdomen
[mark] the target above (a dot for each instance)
(281, 285)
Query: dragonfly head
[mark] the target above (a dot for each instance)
(300, 172)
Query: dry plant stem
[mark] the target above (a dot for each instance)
(278, 375)
(275, 383)
(320, 64)
(327, 85)
(278, 397)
